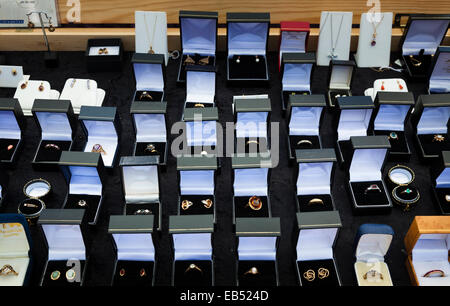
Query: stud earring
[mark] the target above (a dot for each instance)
(24, 85)
(41, 87)
(238, 60)
(14, 72)
(189, 60)
(257, 59)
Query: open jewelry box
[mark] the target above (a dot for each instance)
(427, 244)
(372, 243)
(102, 128)
(440, 71)
(12, 125)
(149, 74)
(82, 92)
(201, 130)
(251, 180)
(27, 91)
(193, 259)
(422, 36)
(84, 173)
(296, 71)
(304, 114)
(252, 119)
(135, 261)
(247, 36)
(314, 177)
(56, 122)
(317, 234)
(353, 119)
(67, 256)
(140, 181)
(389, 118)
(257, 242)
(340, 78)
(4, 180)
(10, 76)
(104, 54)
(150, 126)
(200, 87)
(293, 38)
(440, 174)
(198, 36)
(197, 181)
(366, 185)
(15, 250)
(430, 121)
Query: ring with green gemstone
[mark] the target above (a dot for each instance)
(406, 191)
(55, 275)
(393, 136)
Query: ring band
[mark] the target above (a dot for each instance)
(186, 204)
(371, 188)
(145, 95)
(252, 141)
(434, 273)
(52, 146)
(372, 274)
(30, 205)
(316, 201)
(193, 267)
(252, 271)
(304, 142)
(199, 105)
(97, 148)
(8, 270)
(255, 203)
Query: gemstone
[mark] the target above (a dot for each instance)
(408, 190)
(373, 43)
(70, 274)
(55, 275)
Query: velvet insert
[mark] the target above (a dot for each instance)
(315, 265)
(267, 273)
(431, 147)
(160, 148)
(132, 273)
(196, 57)
(252, 67)
(398, 145)
(441, 193)
(184, 276)
(6, 154)
(91, 207)
(131, 209)
(371, 197)
(51, 154)
(243, 210)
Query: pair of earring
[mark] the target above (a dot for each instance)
(238, 60)
(190, 61)
(31, 24)
(310, 275)
(24, 85)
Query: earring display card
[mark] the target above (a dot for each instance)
(14, 13)
(11, 76)
(82, 92)
(27, 91)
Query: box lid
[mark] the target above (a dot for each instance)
(191, 224)
(307, 101)
(148, 108)
(198, 32)
(196, 163)
(258, 227)
(244, 162)
(200, 84)
(201, 114)
(54, 119)
(61, 216)
(341, 74)
(393, 110)
(148, 71)
(440, 74)
(252, 105)
(296, 70)
(426, 227)
(139, 160)
(315, 156)
(132, 224)
(395, 98)
(355, 102)
(98, 113)
(373, 242)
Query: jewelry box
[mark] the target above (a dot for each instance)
(200, 134)
(293, 38)
(389, 118)
(422, 36)
(353, 119)
(197, 181)
(4, 180)
(10, 76)
(150, 75)
(340, 79)
(135, 258)
(102, 129)
(12, 126)
(150, 127)
(200, 87)
(56, 123)
(37, 192)
(305, 113)
(29, 90)
(198, 37)
(82, 92)
(427, 244)
(366, 186)
(317, 234)
(84, 173)
(257, 242)
(66, 254)
(15, 250)
(440, 173)
(440, 71)
(251, 180)
(430, 121)
(252, 124)
(104, 54)
(296, 71)
(193, 254)
(314, 178)
(372, 244)
(140, 182)
(247, 36)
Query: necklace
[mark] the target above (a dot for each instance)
(333, 55)
(151, 51)
(375, 27)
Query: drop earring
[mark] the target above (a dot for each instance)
(382, 85)
(24, 85)
(399, 85)
(41, 87)
(30, 23)
(238, 60)
(51, 28)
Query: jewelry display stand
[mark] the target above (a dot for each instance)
(374, 43)
(201, 130)
(386, 85)
(82, 92)
(11, 76)
(440, 72)
(32, 91)
(293, 38)
(200, 87)
(334, 37)
(151, 33)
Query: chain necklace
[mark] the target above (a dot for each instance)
(375, 27)
(151, 51)
(332, 54)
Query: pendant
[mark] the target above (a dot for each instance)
(151, 50)
(373, 42)
(332, 55)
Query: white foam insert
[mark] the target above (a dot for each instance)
(305, 121)
(54, 126)
(14, 248)
(141, 184)
(151, 30)
(20, 265)
(293, 41)
(9, 127)
(105, 134)
(201, 133)
(341, 77)
(31, 92)
(440, 77)
(250, 182)
(198, 35)
(316, 244)
(8, 79)
(84, 180)
(314, 178)
(257, 248)
(134, 247)
(424, 34)
(149, 77)
(81, 93)
(443, 180)
(112, 50)
(373, 247)
(390, 85)
(391, 117)
(64, 241)
(366, 165)
(252, 124)
(200, 86)
(247, 38)
(197, 182)
(353, 122)
(297, 77)
(433, 120)
(196, 246)
(150, 127)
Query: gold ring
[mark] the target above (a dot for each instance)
(309, 275)
(323, 273)
(415, 61)
(97, 148)
(30, 205)
(199, 105)
(315, 201)
(253, 271)
(7, 270)
(372, 274)
(207, 203)
(434, 273)
(255, 203)
(252, 141)
(145, 95)
(52, 146)
(304, 141)
(193, 267)
(186, 204)
(438, 138)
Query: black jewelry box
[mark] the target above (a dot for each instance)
(296, 75)
(317, 233)
(198, 37)
(4, 180)
(340, 79)
(200, 133)
(389, 118)
(252, 119)
(422, 36)
(12, 126)
(135, 258)
(257, 241)
(140, 182)
(55, 120)
(98, 59)
(314, 177)
(247, 37)
(439, 72)
(430, 121)
(200, 87)
(440, 186)
(102, 129)
(193, 253)
(304, 118)
(366, 186)
(63, 233)
(149, 72)
(150, 128)
(85, 176)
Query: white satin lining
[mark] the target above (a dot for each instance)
(199, 35)
(9, 128)
(257, 248)
(149, 76)
(250, 182)
(316, 244)
(150, 127)
(297, 77)
(192, 246)
(305, 121)
(64, 241)
(366, 165)
(135, 247)
(353, 122)
(54, 126)
(433, 120)
(197, 182)
(314, 178)
(251, 124)
(391, 117)
(200, 86)
(424, 34)
(84, 180)
(247, 38)
(141, 184)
